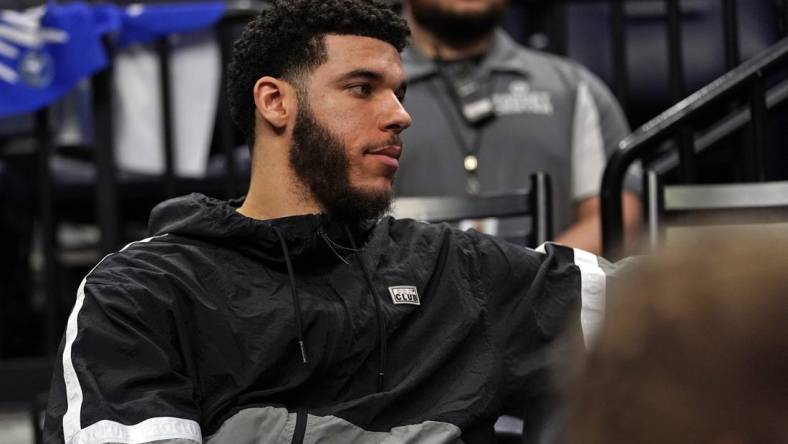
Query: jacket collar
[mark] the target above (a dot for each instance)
(217, 221)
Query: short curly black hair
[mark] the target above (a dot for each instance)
(286, 40)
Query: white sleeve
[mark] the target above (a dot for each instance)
(588, 151)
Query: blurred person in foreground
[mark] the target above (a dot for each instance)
(694, 349)
(299, 313)
(488, 111)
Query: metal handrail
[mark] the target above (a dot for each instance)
(724, 128)
(647, 139)
(536, 202)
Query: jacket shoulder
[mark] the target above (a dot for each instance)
(156, 265)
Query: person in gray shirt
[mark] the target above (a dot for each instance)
(487, 112)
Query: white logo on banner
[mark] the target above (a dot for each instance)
(23, 30)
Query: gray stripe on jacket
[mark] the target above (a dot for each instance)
(276, 426)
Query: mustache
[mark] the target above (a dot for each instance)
(395, 139)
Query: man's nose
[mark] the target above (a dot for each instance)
(397, 118)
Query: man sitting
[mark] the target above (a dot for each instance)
(298, 314)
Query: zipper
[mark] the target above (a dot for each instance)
(300, 427)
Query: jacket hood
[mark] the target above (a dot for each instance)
(217, 221)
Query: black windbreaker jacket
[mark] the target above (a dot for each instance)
(224, 329)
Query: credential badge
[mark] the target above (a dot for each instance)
(404, 294)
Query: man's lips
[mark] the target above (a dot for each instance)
(387, 155)
(393, 151)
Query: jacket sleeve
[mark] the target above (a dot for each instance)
(535, 296)
(121, 374)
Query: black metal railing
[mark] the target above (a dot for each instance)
(746, 82)
(552, 20)
(736, 121)
(679, 123)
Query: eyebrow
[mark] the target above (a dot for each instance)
(369, 75)
(361, 73)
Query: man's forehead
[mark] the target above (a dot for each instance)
(348, 53)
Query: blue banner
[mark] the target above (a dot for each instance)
(47, 51)
(143, 23)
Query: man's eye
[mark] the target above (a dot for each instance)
(361, 90)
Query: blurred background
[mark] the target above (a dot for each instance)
(133, 112)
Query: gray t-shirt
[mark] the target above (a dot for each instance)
(551, 114)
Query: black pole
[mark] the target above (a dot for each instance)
(163, 49)
(730, 33)
(675, 59)
(687, 161)
(755, 154)
(49, 250)
(560, 32)
(106, 178)
(225, 124)
(784, 17)
(542, 209)
(619, 51)
(610, 193)
(612, 215)
(677, 88)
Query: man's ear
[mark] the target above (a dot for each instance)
(272, 98)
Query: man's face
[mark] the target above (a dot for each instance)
(458, 20)
(346, 141)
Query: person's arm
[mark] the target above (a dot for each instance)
(122, 372)
(586, 232)
(599, 125)
(535, 296)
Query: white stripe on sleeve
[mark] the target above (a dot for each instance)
(152, 429)
(592, 294)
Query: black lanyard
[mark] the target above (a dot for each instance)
(470, 151)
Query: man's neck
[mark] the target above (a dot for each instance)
(432, 46)
(274, 192)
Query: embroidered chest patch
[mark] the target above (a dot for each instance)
(404, 294)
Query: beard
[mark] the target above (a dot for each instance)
(321, 164)
(453, 27)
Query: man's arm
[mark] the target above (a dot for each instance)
(121, 375)
(599, 125)
(537, 295)
(586, 232)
